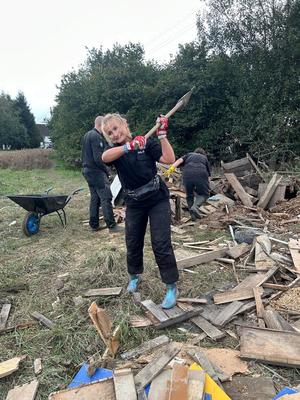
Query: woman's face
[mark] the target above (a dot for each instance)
(117, 131)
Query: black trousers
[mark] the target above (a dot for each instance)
(160, 229)
(192, 186)
(101, 197)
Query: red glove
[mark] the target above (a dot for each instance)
(162, 131)
(138, 143)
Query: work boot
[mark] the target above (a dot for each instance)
(170, 296)
(116, 229)
(134, 281)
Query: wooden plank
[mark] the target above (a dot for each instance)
(240, 163)
(251, 281)
(268, 193)
(238, 250)
(226, 314)
(259, 307)
(155, 310)
(201, 359)
(196, 382)
(124, 384)
(278, 195)
(4, 314)
(179, 383)
(145, 347)
(180, 318)
(248, 388)
(37, 366)
(234, 295)
(267, 275)
(99, 390)
(25, 392)
(211, 331)
(160, 386)
(238, 188)
(174, 312)
(148, 373)
(201, 258)
(191, 300)
(41, 318)
(294, 246)
(115, 291)
(270, 317)
(270, 346)
(9, 366)
(254, 165)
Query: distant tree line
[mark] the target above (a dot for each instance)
(244, 65)
(17, 124)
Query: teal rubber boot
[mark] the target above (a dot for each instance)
(170, 297)
(134, 281)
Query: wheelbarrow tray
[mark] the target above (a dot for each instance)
(40, 203)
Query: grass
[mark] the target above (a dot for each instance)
(26, 159)
(92, 260)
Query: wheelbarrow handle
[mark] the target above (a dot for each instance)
(48, 190)
(73, 194)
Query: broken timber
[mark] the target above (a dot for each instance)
(124, 384)
(24, 392)
(243, 196)
(179, 382)
(4, 314)
(41, 318)
(201, 258)
(270, 346)
(148, 373)
(294, 246)
(115, 291)
(268, 193)
(234, 295)
(145, 347)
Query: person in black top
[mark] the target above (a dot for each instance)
(96, 175)
(146, 197)
(195, 177)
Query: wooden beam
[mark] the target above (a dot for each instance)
(145, 347)
(114, 291)
(25, 392)
(294, 246)
(155, 310)
(179, 382)
(124, 384)
(4, 314)
(270, 346)
(201, 258)
(148, 373)
(234, 295)
(238, 188)
(41, 318)
(180, 318)
(196, 384)
(268, 193)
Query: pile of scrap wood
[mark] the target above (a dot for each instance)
(242, 182)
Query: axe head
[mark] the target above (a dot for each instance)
(185, 99)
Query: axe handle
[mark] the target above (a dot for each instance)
(168, 115)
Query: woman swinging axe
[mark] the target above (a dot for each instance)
(146, 197)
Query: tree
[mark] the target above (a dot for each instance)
(27, 119)
(12, 133)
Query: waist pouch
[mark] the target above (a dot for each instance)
(145, 191)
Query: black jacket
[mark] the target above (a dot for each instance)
(93, 168)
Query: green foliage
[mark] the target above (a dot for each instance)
(17, 124)
(27, 119)
(245, 70)
(12, 133)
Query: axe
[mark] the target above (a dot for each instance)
(179, 105)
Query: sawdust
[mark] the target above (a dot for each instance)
(289, 300)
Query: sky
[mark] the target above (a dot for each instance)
(42, 40)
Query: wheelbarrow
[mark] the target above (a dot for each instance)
(39, 205)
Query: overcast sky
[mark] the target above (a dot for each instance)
(42, 40)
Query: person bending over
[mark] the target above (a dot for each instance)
(195, 177)
(146, 197)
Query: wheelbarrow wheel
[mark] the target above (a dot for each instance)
(31, 224)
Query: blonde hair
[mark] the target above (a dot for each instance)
(116, 117)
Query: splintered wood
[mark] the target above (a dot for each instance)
(25, 392)
(103, 325)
